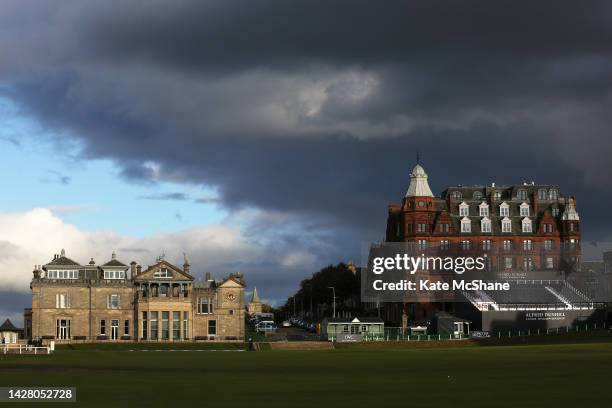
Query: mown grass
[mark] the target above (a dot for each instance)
(352, 376)
(129, 346)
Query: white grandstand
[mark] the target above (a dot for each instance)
(531, 295)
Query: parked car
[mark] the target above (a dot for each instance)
(286, 323)
(265, 326)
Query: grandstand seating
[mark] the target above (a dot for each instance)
(524, 293)
(569, 293)
(550, 293)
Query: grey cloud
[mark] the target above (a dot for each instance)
(313, 112)
(165, 196)
(207, 200)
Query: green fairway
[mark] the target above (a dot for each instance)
(358, 376)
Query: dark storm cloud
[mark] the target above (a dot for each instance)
(229, 34)
(12, 306)
(316, 109)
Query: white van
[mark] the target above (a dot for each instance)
(265, 326)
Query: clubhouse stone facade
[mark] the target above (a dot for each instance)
(117, 302)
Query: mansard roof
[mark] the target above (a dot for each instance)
(508, 192)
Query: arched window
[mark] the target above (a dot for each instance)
(466, 225)
(527, 225)
(521, 194)
(524, 210)
(497, 195)
(483, 209)
(485, 225)
(477, 195)
(464, 209)
(504, 210)
(506, 225)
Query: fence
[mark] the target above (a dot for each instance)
(403, 334)
(24, 349)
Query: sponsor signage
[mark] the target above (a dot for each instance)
(543, 315)
(348, 338)
(480, 334)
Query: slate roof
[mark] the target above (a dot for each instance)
(115, 263)
(62, 261)
(508, 192)
(509, 197)
(205, 284)
(8, 326)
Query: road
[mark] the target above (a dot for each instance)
(297, 334)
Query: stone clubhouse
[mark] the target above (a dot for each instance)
(118, 302)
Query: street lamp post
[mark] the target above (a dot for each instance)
(334, 296)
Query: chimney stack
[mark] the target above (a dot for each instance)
(138, 269)
(208, 277)
(133, 268)
(186, 266)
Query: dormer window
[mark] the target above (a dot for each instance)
(477, 195)
(464, 209)
(466, 225)
(483, 209)
(524, 210)
(521, 194)
(506, 225)
(553, 194)
(162, 273)
(114, 274)
(526, 224)
(504, 210)
(485, 225)
(457, 195)
(72, 274)
(542, 194)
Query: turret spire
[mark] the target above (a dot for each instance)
(419, 187)
(255, 296)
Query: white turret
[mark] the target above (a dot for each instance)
(419, 187)
(570, 213)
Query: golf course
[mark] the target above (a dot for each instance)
(567, 373)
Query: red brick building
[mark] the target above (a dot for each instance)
(522, 229)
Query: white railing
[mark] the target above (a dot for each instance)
(24, 349)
